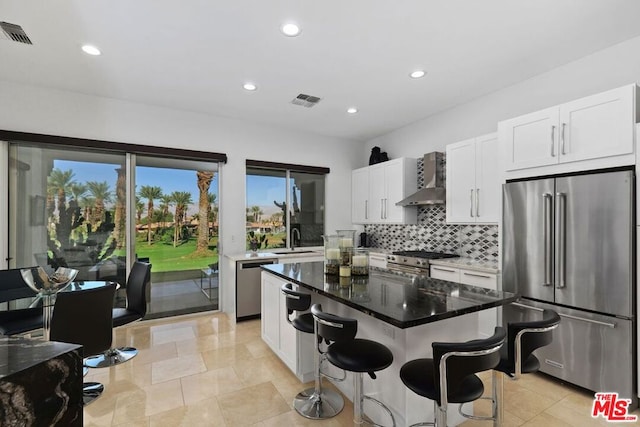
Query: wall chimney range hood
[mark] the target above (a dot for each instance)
(433, 192)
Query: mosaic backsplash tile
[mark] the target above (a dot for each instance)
(432, 233)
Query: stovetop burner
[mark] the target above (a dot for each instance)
(424, 254)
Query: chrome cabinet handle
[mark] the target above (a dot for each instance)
(554, 363)
(381, 208)
(564, 125)
(386, 207)
(476, 275)
(562, 246)
(546, 237)
(442, 269)
(477, 202)
(366, 209)
(471, 203)
(553, 137)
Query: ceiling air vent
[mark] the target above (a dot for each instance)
(14, 32)
(305, 100)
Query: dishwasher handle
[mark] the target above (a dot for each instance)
(257, 264)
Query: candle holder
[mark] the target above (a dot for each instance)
(332, 258)
(360, 262)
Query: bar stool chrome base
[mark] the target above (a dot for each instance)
(318, 406)
(111, 357)
(90, 392)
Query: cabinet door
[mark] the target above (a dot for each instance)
(488, 192)
(461, 183)
(597, 126)
(394, 191)
(271, 311)
(531, 140)
(377, 190)
(359, 195)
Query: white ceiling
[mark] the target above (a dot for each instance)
(195, 54)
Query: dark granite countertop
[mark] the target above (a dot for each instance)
(399, 299)
(18, 354)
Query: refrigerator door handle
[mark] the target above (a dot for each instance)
(547, 218)
(528, 307)
(562, 239)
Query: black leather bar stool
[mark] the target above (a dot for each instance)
(314, 402)
(449, 377)
(517, 358)
(84, 317)
(352, 354)
(137, 283)
(19, 321)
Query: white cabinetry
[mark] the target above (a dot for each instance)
(487, 318)
(597, 126)
(376, 189)
(473, 181)
(293, 347)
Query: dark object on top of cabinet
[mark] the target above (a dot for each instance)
(377, 156)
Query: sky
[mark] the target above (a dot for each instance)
(261, 190)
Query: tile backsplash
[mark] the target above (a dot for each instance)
(432, 233)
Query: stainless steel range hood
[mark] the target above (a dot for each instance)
(433, 192)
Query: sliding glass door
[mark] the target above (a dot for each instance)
(176, 230)
(98, 211)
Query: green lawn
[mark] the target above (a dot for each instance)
(167, 258)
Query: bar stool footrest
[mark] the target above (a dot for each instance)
(384, 407)
(476, 417)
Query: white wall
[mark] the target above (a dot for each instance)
(607, 69)
(40, 110)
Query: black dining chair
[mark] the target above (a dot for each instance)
(137, 283)
(17, 321)
(85, 317)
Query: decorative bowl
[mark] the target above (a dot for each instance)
(37, 279)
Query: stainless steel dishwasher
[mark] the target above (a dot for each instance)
(248, 290)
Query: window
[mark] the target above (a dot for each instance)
(285, 205)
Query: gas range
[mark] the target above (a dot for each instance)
(416, 262)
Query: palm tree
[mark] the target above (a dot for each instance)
(101, 192)
(120, 208)
(77, 190)
(255, 210)
(165, 202)
(150, 193)
(139, 209)
(204, 182)
(87, 203)
(59, 182)
(213, 210)
(182, 199)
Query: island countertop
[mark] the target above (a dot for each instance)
(396, 298)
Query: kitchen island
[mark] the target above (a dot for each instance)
(404, 312)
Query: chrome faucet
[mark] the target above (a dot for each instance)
(294, 231)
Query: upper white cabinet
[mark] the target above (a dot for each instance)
(376, 189)
(473, 181)
(594, 127)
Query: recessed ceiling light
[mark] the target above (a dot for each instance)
(290, 29)
(249, 86)
(91, 50)
(417, 74)
(352, 110)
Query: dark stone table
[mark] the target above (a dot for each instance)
(399, 299)
(40, 383)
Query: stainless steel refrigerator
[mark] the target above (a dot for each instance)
(568, 245)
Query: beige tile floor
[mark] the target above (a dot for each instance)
(205, 370)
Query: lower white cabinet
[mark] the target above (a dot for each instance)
(293, 347)
(488, 319)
